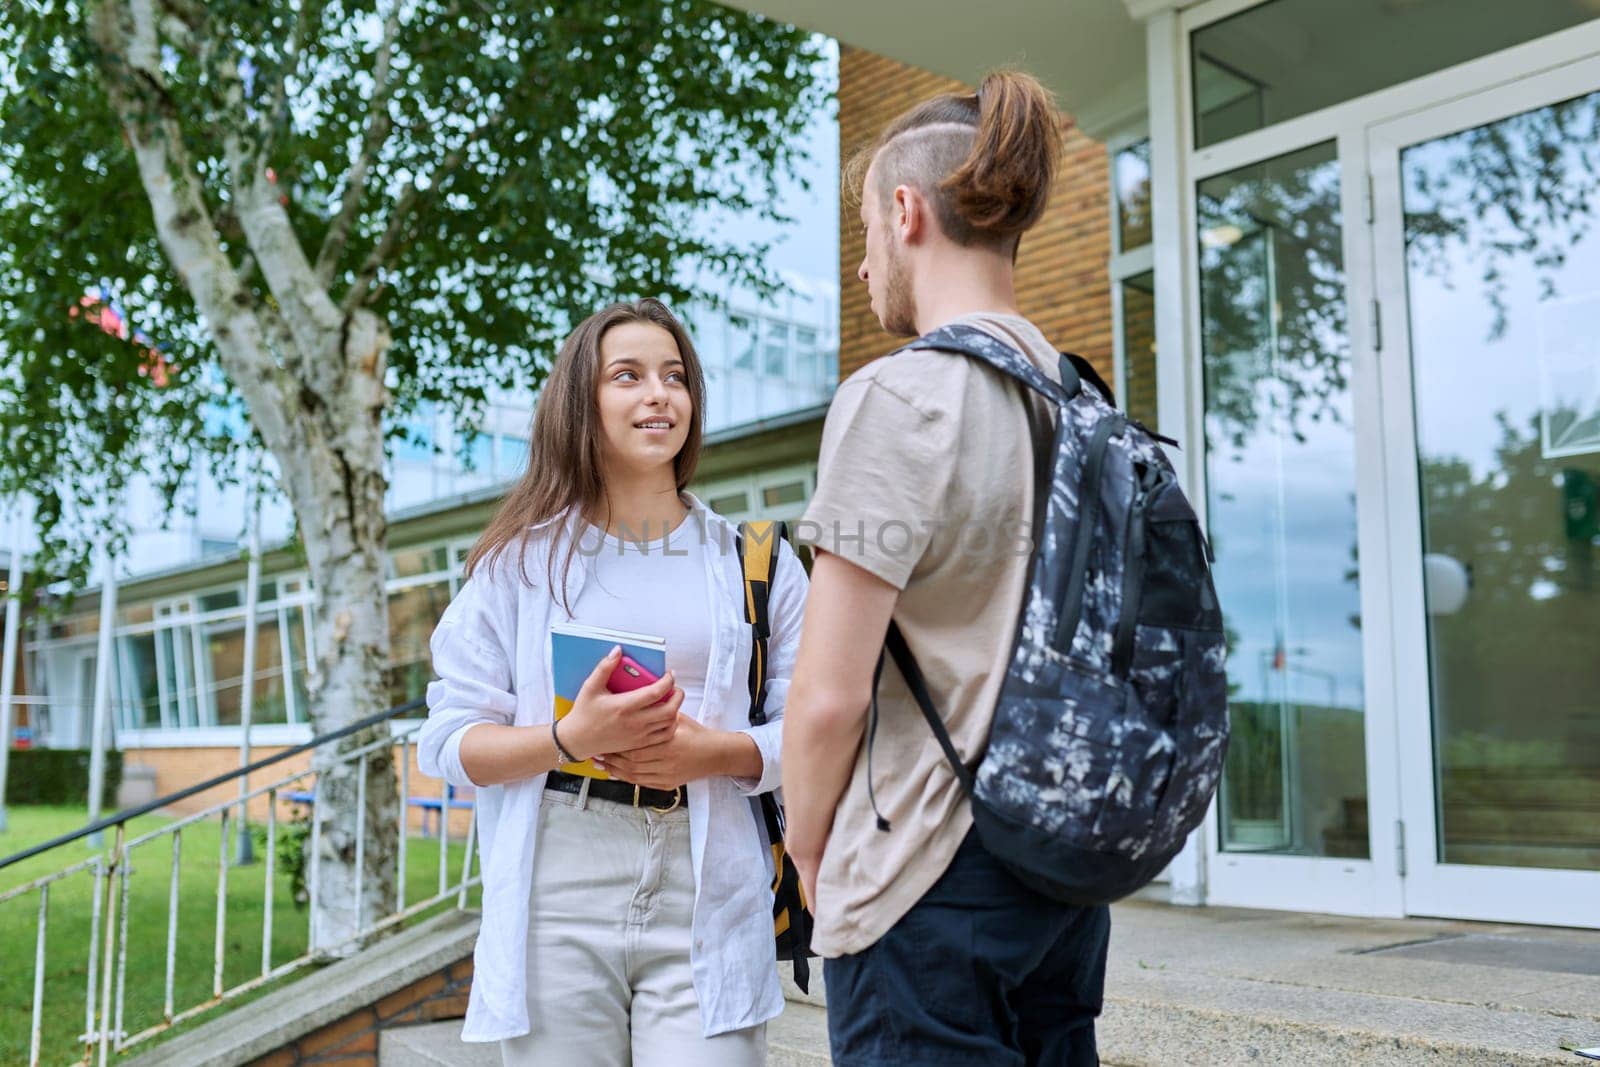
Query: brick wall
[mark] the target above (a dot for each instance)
(1062, 282)
(353, 1040)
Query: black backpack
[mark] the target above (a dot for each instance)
(1112, 721)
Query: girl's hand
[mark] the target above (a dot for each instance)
(693, 752)
(602, 721)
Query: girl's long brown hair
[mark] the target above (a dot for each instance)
(564, 468)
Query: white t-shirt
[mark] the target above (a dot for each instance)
(653, 582)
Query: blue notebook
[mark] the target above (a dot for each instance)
(574, 651)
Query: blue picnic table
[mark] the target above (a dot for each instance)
(429, 806)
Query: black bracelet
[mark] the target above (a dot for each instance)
(562, 755)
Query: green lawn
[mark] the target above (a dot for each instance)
(70, 911)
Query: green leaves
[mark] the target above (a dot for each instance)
(532, 163)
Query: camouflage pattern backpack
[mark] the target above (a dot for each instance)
(1112, 721)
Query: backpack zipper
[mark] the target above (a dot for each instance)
(1132, 577)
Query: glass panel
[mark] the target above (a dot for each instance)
(476, 454)
(1503, 285)
(413, 614)
(806, 367)
(131, 615)
(175, 646)
(414, 442)
(1133, 196)
(219, 600)
(1292, 57)
(743, 334)
(1139, 348)
(513, 456)
(1280, 463)
(140, 688)
(788, 493)
(225, 643)
(409, 562)
(295, 628)
(729, 504)
(776, 349)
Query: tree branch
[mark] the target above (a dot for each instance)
(406, 206)
(124, 35)
(379, 125)
(314, 321)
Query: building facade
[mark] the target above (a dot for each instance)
(1350, 266)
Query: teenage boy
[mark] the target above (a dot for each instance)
(935, 952)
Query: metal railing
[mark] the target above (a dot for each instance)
(112, 870)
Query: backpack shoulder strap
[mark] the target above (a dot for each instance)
(758, 562)
(981, 345)
(1085, 370)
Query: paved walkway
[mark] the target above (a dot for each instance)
(1222, 986)
(1227, 985)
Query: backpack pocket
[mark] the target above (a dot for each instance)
(1177, 589)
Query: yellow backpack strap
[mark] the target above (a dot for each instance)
(791, 922)
(758, 557)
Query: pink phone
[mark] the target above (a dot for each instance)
(629, 675)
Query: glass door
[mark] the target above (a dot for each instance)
(1282, 460)
(1487, 260)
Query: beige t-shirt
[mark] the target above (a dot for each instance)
(926, 480)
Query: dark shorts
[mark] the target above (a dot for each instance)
(982, 970)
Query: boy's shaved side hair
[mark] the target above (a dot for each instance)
(985, 160)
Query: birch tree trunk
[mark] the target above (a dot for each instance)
(312, 373)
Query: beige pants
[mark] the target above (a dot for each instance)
(609, 982)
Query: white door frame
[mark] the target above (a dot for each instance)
(1506, 894)
(1376, 886)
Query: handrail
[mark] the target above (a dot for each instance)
(210, 783)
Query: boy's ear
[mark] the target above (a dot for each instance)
(909, 214)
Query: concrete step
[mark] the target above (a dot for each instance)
(434, 1045)
(797, 1038)
(320, 997)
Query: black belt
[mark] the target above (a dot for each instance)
(618, 791)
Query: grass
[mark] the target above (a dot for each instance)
(70, 916)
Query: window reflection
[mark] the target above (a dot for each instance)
(413, 613)
(1280, 460)
(1278, 60)
(1132, 174)
(1139, 348)
(1503, 287)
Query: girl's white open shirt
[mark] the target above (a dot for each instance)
(491, 652)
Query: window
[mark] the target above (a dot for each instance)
(476, 452)
(1131, 173)
(139, 690)
(211, 547)
(413, 614)
(225, 643)
(1287, 58)
(742, 332)
(775, 356)
(1275, 355)
(1133, 283)
(807, 370)
(415, 443)
(1138, 326)
(219, 600)
(788, 493)
(730, 503)
(410, 562)
(512, 456)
